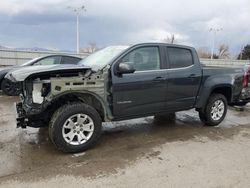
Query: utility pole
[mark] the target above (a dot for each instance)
(77, 11)
(241, 52)
(214, 32)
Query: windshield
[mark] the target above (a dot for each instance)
(29, 62)
(102, 57)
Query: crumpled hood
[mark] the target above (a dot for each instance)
(22, 73)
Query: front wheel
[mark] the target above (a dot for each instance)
(215, 110)
(75, 127)
(10, 88)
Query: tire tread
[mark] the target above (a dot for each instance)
(205, 116)
(58, 116)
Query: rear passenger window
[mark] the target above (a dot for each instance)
(70, 60)
(51, 60)
(179, 57)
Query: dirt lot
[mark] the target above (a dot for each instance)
(140, 152)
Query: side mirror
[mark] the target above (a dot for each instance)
(126, 68)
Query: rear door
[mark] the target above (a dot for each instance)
(144, 91)
(69, 60)
(184, 77)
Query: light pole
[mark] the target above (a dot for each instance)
(214, 32)
(77, 11)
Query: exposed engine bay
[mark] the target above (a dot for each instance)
(42, 92)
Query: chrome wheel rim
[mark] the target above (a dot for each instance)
(78, 129)
(217, 110)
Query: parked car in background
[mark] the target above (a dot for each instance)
(14, 89)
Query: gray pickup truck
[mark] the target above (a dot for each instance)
(120, 83)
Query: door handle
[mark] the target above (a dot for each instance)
(158, 78)
(192, 76)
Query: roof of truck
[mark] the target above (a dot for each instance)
(163, 44)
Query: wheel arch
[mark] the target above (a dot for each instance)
(1, 80)
(86, 97)
(2, 75)
(224, 89)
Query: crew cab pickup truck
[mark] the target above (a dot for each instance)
(121, 83)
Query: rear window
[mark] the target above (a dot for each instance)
(179, 58)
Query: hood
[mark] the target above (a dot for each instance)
(22, 73)
(9, 67)
(5, 70)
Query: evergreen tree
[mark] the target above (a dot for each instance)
(245, 53)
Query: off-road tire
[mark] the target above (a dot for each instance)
(59, 118)
(206, 117)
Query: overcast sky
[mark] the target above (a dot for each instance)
(49, 24)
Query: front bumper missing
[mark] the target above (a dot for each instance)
(21, 121)
(25, 119)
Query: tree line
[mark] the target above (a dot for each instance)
(223, 53)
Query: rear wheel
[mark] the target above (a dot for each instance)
(9, 88)
(215, 110)
(75, 127)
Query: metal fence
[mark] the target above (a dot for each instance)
(17, 57)
(224, 62)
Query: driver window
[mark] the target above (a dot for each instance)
(144, 58)
(49, 61)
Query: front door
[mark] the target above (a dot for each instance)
(144, 91)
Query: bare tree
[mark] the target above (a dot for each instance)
(223, 51)
(203, 52)
(170, 39)
(92, 47)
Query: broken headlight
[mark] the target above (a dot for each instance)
(41, 89)
(45, 89)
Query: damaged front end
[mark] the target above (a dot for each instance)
(30, 111)
(43, 93)
(20, 116)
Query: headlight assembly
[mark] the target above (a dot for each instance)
(41, 88)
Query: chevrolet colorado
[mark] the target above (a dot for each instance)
(121, 83)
